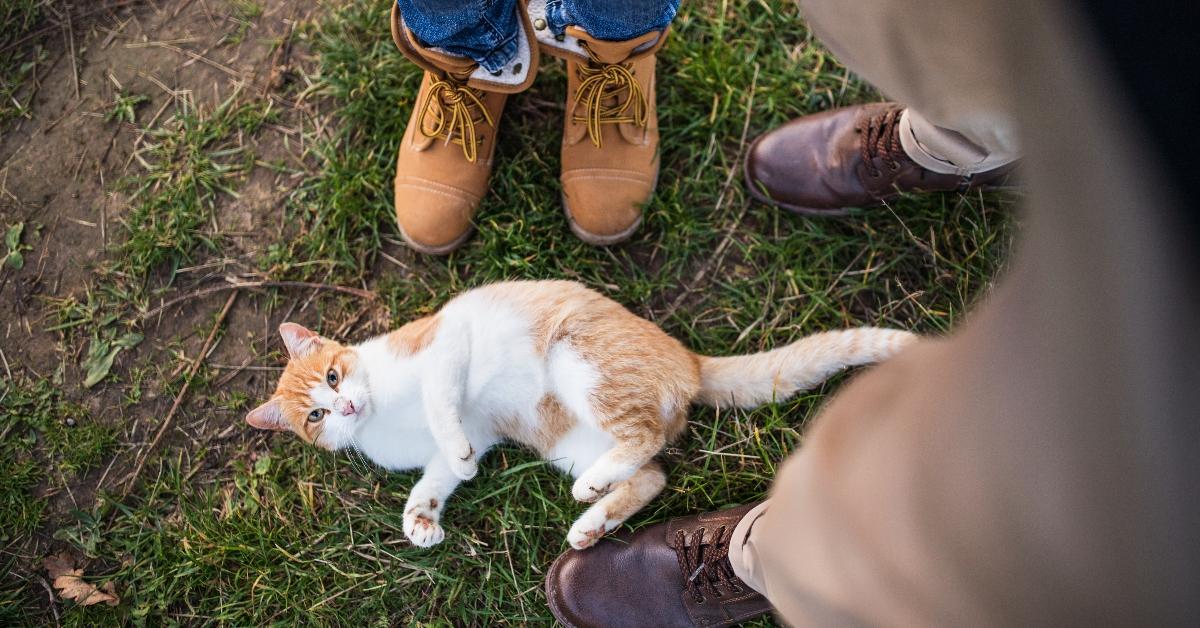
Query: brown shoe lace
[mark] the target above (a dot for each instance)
(706, 566)
(882, 141)
(465, 109)
(599, 95)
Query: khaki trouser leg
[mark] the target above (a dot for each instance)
(1039, 466)
(960, 118)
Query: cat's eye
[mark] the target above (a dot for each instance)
(316, 415)
(332, 377)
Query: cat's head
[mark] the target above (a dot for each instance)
(322, 395)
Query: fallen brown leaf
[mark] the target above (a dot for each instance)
(71, 585)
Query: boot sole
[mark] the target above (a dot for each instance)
(436, 250)
(605, 240)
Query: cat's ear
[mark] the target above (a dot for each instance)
(268, 416)
(298, 340)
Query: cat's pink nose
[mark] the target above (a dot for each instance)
(348, 408)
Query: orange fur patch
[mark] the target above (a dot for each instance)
(414, 336)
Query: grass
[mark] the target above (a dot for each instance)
(18, 63)
(241, 529)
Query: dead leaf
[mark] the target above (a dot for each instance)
(71, 585)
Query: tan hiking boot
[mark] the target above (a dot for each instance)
(445, 157)
(610, 134)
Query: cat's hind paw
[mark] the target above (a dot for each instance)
(583, 490)
(423, 529)
(585, 532)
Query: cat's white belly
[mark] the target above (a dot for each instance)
(579, 448)
(393, 447)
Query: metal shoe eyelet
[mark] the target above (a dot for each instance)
(560, 38)
(497, 72)
(517, 68)
(539, 24)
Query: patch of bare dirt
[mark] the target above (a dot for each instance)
(60, 174)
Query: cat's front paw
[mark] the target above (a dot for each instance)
(464, 465)
(422, 529)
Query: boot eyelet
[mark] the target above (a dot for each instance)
(497, 73)
(539, 24)
(517, 68)
(560, 38)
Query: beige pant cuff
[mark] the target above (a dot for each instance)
(743, 555)
(945, 151)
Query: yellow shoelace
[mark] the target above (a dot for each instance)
(608, 82)
(457, 125)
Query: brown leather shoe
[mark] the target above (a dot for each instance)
(828, 162)
(675, 573)
(610, 131)
(445, 157)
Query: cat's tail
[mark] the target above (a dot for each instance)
(747, 381)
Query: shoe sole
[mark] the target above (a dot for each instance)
(551, 594)
(435, 250)
(605, 240)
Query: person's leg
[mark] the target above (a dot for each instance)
(474, 55)
(1038, 467)
(951, 130)
(483, 31)
(610, 150)
(924, 54)
(611, 21)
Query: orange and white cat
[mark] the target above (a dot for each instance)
(594, 389)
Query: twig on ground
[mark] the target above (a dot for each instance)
(364, 294)
(188, 53)
(74, 64)
(187, 382)
(281, 60)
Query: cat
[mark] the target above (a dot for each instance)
(552, 365)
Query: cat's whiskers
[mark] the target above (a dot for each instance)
(358, 461)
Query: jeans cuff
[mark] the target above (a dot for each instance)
(498, 57)
(610, 27)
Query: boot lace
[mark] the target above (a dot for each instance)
(456, 109)
(882, 141)
(608, 93)
(706, 566)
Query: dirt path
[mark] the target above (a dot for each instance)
(64, 174)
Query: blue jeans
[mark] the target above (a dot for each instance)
(486, 30)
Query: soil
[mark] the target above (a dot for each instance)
(61, 173)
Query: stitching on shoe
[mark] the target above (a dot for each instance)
(580, 175)
(419, 183)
